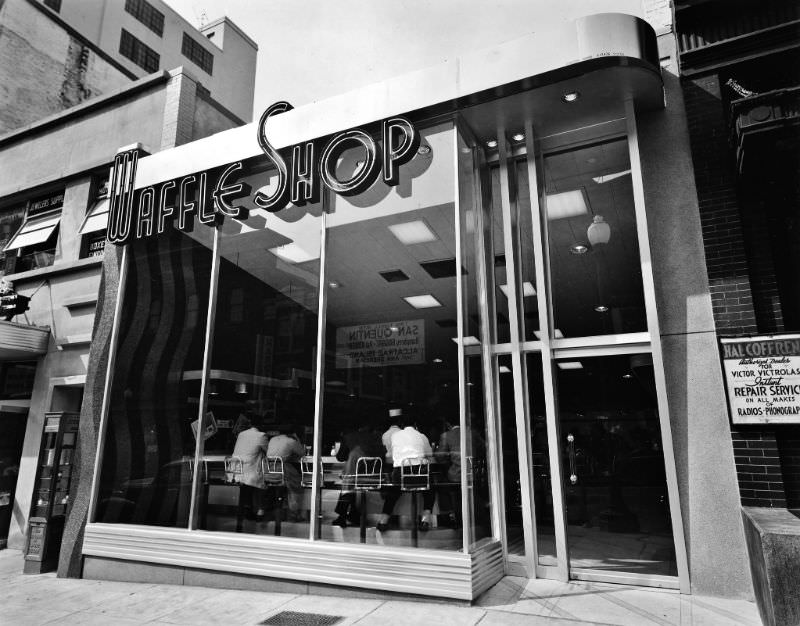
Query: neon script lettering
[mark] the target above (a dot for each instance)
(300, 172)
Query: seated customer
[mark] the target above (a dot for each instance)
(287, 446)
(251, 446)
(408, 445)
(362, 442)
(448, 454)
(395, 416)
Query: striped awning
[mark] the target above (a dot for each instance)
(96, 219)
(34, 230)
(19, 342)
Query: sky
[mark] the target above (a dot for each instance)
(313, 49)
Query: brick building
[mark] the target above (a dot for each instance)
(740, 69)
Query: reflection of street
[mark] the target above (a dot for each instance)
(594, 548)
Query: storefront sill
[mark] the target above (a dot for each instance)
(368, 567)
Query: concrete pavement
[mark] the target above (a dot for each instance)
(45, 599)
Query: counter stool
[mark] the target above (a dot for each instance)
(368, 477)
(274, 478)
(234, 468)
(415, 475)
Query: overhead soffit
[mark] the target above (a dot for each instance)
(608, 57)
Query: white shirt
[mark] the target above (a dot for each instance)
(386, 438)
(409, 443)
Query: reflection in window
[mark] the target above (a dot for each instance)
(594, 251)
(261, 387)
(147, 463)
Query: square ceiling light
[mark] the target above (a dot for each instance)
(409, 233)
(527, 289)
(425, 301)
(609, 177)
(469, 340)
(556, 335)
(292, 253)
(504, 369)
(570, 365)
(566, 204)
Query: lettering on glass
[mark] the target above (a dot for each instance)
(762, 375)
(298, 173)
(381, 344)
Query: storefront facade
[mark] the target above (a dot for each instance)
(469, 249)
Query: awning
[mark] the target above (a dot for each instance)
(96, 219)
(20, 342)
(35, 230)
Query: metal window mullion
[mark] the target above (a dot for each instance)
(466, 509)
(545, 309)
(485, 287)
(112, 358)
(211, 314)
(315, 522)
(656, 350)
(508, 202)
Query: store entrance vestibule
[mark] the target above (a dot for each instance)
(578, 399)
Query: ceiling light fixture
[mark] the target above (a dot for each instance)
(627, 376)
(394, 329)
(469, 340)
(557, 334)
(566, 204)
(609, 177)
(518, 137)
(579, 248)
(292, 253)
(599, 231)
(504, 369)
(410, 233)
(527, 289)
(601, 308)
(425, 301)
(334, 285)
(570, 365)
(571, 96)
(492, 143)
(437, 360)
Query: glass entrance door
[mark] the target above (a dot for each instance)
(581, 426)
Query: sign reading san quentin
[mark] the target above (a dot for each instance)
(300, 173)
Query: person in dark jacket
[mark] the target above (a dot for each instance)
(362, 442)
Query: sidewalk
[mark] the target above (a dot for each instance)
(45, 599)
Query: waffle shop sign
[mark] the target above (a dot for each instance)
(300, 172)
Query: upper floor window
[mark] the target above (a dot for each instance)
(93, 228)
(53, 4)
(197, 54)
(133, 49)
(34, 243)
(147, 14)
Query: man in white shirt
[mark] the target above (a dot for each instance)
(407, 445)
(395, 415)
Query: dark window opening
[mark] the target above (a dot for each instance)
(147, 14)
(133, 49)
(197, 54)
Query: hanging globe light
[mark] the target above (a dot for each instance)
(599, 231)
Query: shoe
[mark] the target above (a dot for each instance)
(340, 521)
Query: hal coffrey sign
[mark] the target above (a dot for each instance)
(300, 172)
(763, 379)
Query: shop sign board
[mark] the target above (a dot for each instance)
(762, 375)
(300, 172)
(377, 345)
